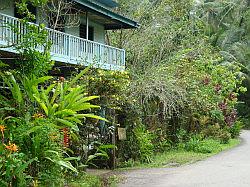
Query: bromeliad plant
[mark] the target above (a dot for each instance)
(65, 104)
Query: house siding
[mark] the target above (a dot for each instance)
(73, 31)
(7, 7)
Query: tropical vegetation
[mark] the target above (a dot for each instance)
(185, 90)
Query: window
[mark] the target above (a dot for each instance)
(83, 31)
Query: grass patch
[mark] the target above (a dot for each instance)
(93, 180)
(112, 181)
(85, 180)
(232, 143)
(175, 158)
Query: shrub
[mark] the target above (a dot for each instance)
(207, 146)
(223, 136)
(211, 130)
(161, 141)
(246, 122)
(182, 137)
(192, 144)
(217, 132)
(197, 144)
(44, 120)
(235, 129)
(129, 163)
(144, 141)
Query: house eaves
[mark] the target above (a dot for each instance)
(109, 3)
(118, 21)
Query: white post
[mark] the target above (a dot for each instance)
(87, 25)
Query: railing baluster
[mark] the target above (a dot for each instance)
(68, 46)
(1, 27)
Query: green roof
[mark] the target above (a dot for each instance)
(110, 19)
(109, 3)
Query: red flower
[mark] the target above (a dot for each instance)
(65, 137)
(206, 81)
(62, 79)
(223, 105)
(231, 118)
(217, 88)
(12, 147)
(2, 129)
(232, 96)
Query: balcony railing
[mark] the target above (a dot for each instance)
(65, 47)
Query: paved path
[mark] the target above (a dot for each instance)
(227, 169)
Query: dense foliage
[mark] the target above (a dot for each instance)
(188, 74)
(187, 71)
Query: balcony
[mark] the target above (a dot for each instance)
(66, 48)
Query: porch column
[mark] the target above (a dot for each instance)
(87, 25)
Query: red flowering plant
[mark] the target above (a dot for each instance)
(227, 85)
(211, 85)
(2, 129)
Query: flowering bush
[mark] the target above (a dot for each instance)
(212, 87)
(109, 85)
(12, 162)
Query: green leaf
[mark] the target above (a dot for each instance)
(74, 119)
(96, 155)
(49, 89)
(60, 162)
(42, 104)
(65, 112)
(77, 78)
(72, 158)
(7, 108)
(84, 106)
(33, 129)
(3, 183)
(3, 64)
(42, 79)
(107, 146)
(89, 98)
(45, 97)
(91, 116)
(53, 152)
(56, 94)
(14, 88)
(21, 168)
(67, 164)
(68, 124)
(91, 157)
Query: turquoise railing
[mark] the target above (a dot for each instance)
(65, 47)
